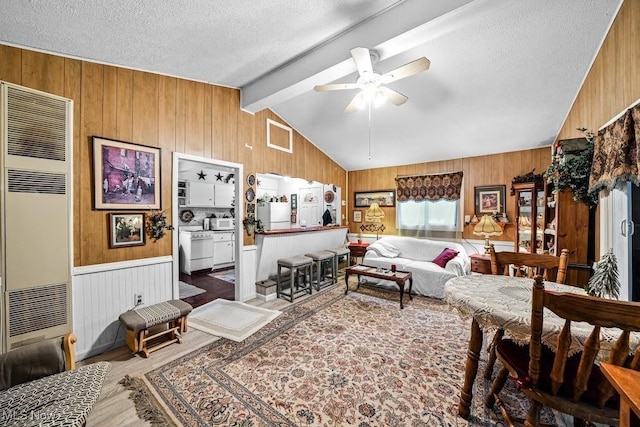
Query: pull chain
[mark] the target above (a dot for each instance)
(369, 129)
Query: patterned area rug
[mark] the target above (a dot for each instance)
(231, 319)
(335, 360)
(186, 290)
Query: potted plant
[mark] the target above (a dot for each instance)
(249, 223)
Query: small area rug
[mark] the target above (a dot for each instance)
(186, 290)
(231, 319)
(335, 360)
(226, 276)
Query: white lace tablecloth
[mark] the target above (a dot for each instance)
(504, 302)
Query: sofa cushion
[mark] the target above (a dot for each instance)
(445, 256)
(384, 249)
(31, 362)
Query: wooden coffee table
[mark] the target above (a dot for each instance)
(400, 277)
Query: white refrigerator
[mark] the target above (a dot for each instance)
(274, 215)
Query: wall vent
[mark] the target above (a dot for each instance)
(36, 166)
(21, 181)
(39, 308)
(36, 125)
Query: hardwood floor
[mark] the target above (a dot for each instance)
(216, 288)
(114, 407)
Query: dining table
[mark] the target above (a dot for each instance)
(504, 303)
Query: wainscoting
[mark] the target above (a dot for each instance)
(102, 292)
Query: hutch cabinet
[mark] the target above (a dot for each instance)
(570, 225)
(530, 216)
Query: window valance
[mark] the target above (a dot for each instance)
(616, 155)
(445, 186)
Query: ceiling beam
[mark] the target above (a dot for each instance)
(400, 28)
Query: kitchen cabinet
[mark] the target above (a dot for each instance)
(182, 193)
(223, 248)
(530, 216)
(224, 195)
(200, 194)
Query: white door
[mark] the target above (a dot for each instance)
(619, 227)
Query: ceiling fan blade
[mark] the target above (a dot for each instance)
(338, 86)
(362, 58)
(355, 103)
(396, 98)
(406, 70)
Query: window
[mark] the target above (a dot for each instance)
(441, 215)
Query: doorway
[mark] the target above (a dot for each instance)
(206, 278)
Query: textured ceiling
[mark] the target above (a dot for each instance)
(503, 74)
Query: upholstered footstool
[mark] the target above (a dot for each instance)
(173, 314)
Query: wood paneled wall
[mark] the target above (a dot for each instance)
(613, 82)
(174, 114)
(497, 169)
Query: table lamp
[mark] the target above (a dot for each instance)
(487, 227)
(374, 214)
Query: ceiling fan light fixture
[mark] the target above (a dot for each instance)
(379, 100)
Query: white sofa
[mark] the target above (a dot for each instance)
(416, 256)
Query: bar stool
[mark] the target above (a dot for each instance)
(337, 254)
(296, 265)
(318, 258)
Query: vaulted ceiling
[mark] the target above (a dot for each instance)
(503, 75)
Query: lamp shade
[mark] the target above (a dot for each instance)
(374, 213)
(487, 227)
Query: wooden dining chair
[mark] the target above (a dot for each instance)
(569, 381)
(552, 269)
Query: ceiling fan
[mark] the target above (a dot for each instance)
(371, 83)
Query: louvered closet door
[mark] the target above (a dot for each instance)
(36, 214)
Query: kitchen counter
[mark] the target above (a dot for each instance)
(275, 244)
(301, 229)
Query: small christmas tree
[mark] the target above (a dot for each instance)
(604, 282)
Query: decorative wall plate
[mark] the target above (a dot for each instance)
(251, 179)
(250, 195)
(186, 215)
(328, 196)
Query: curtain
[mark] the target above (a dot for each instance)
(616, 152)
(445, 186)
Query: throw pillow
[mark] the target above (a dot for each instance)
(445, 256)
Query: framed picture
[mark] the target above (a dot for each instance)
(251, 208)
(384, 198)
(127, 176)
(357, 216)
(126, 229)
(490, 199)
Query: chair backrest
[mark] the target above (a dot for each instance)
(552, 268)
(597, 312)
